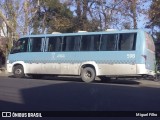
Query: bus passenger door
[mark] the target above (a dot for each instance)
(71, 46)
(50, 64)
(36, 55)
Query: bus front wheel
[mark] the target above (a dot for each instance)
(18, 71)
(88, 74)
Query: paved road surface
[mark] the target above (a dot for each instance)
(68, 94)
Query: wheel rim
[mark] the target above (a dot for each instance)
(18, 71)
(88, 75)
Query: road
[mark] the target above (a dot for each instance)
(70, 94)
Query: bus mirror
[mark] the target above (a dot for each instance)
(14, 42)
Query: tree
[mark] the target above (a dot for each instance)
(107, 13)
(154, 24)
(154, 20)
(129, 12)
(26, 16)
(83, 18)
(8, 14)
(51, 16)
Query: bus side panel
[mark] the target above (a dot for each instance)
(31, 61)
(117, 69)
(140, 51)
(108, 62)
(150, 53)
(150, 62)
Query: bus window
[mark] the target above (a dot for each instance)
(90, 43)
(109, 42)
(95, 42)
(36, 44)
(20, 46)
(54, 44)
(127, 41)
(77, 43)
(71, 43)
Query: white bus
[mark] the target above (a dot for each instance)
(85, 54)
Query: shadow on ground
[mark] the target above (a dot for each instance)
(79, 96)
(125, 81)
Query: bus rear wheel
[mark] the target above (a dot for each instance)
(18, 71)
(88, 74)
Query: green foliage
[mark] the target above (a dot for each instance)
(51, 16)
(154, 24)
(154, 21)
(9, 10)
(154, 13)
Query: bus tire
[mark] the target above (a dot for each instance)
(88, 74)
(18, 71)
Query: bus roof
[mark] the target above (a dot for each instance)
(84, 33)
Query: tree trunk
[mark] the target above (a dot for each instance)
(7, 23)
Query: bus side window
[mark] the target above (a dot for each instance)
(95, 43)
(85, 43)
(127, 41)
(108, 42)
(77, 43)
(54, 44)
(90, 43)
(71, 43)
(36, 44)
(67, 43)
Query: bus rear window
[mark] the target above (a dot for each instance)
(149, 42)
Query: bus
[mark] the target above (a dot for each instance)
(85, 54)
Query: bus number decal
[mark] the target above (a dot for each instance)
(60, 56)
(130, 56)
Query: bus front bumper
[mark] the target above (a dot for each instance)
(9, 67)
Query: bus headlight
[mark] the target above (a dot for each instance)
(7, 61)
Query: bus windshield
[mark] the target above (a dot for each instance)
(20, 46)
